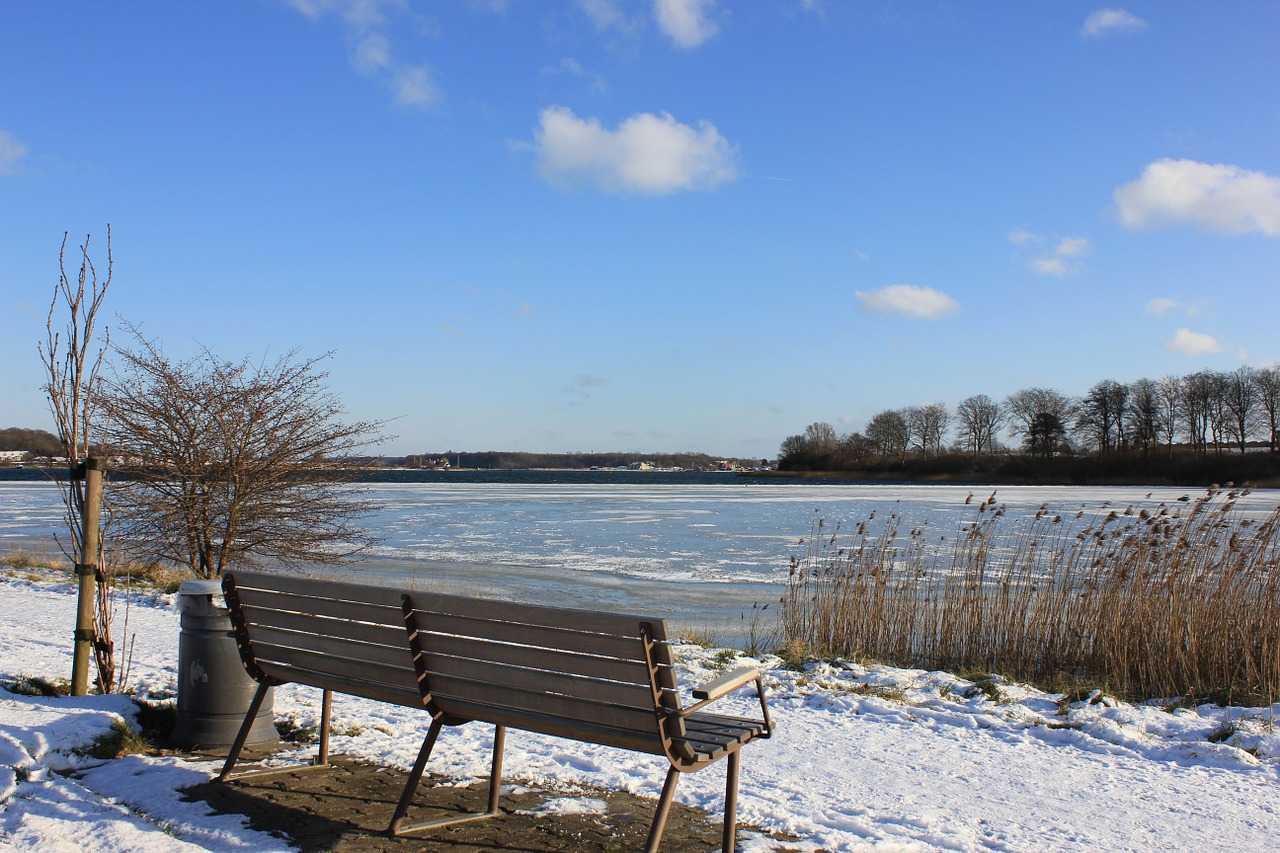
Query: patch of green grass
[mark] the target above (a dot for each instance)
(123, 739)
(34, 685)
(291, 732)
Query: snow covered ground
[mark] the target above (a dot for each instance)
(865, 758)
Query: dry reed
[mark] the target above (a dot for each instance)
(1178, 600)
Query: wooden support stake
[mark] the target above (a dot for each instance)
(86, 570)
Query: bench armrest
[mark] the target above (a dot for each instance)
(726, 683)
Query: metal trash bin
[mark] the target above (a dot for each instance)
(214, 691)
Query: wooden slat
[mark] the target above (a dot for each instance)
(392, 695)
(316, 662)
(551, 659)
(379, 614)
(557, 727)
(338, 648)
(383, 635)
(638, 696)
(338, 590)
(531, 614)
(568, 709)
(624, 648)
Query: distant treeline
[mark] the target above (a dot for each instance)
(37, 442)
(510, 460)
(1207, 427)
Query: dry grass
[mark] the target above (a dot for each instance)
(1165, 601)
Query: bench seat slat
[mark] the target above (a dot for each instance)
(491, 610)
(504, 715)
(625, 647)
(316, 588)
(552, 659)
(630, 695)
(360, 611)
(384, 635)
(446, 689)
(307, 660)
(334, 647)
(391, 694)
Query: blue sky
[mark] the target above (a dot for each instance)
(551, 225)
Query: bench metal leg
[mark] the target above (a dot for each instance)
(729, 842)
(243, 735)
(326, 713)
(415, 776)
(495, 773)
(664, 809)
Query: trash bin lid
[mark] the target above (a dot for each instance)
(200, 588)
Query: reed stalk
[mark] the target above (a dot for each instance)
(1170, 600)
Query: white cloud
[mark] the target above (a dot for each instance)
(1056, 267)
(1022, 237)
(1214, 197)
(1105, 22)
(1060, 264)
(11, 152)
(1187, 342)
(1163, 306)
(414, 87)
(910, 299)
(649, 154)
(373, 55)
(686, 22)
(605, 14)
(1074, 247)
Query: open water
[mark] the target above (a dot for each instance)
(705, 551)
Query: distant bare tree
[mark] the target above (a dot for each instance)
(889, 433)
(234, 463)
(1100, 415)
(1268, 381)
(980, 419)
(1146, 413)
(1039, 415)
(1170, 388)
(73, 361)
(928, 426)
(1240, 390)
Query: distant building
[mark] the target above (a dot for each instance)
(12, 457)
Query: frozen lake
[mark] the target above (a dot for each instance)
(700, 550)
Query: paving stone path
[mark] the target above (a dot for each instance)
(346, 809)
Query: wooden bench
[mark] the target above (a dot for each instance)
(599, 678)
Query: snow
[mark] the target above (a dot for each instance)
(865, 758)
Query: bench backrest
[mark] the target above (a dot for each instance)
(345, 637)
(598, 677)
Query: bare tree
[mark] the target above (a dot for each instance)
(1170, 388)
(980, 418)
(1268, 381)
(1146, 413)
(928, 425)
(889, 432)
(1100, 415)
(1040, 416)
(234, 463)
(73, 361)
(1242, 398)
